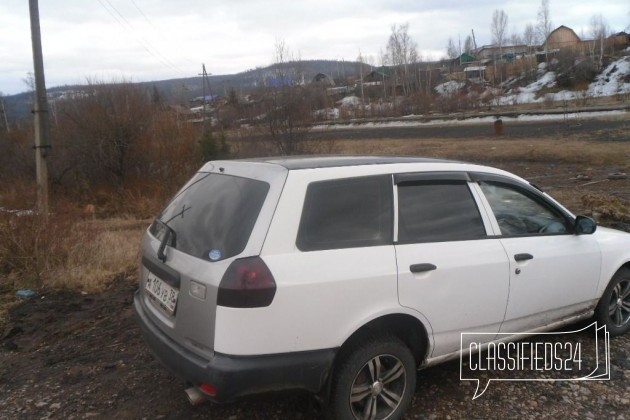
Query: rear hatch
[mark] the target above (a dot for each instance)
(221, 214)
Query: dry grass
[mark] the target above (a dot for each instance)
(606, 207)
(97, 253)
(7, 301)
(67, 253)
(557, 151)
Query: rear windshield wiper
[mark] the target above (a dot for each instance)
(167, 239)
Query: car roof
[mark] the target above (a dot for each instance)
(319, 161)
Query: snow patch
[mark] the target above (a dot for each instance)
(611, 81)
(349, 101)
(448, 88)
(328, 113)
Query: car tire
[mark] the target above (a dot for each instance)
(613, 309)
(375, 379)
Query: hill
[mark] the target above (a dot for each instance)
(18, 107)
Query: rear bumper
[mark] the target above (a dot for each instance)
(237, 376)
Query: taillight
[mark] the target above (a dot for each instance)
(247, 283)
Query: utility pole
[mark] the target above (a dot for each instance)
(361, 73)
(42, 142)
(204, 74)
(475, 44)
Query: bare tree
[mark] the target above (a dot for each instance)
(497, 29)
(529, 35)
(469, 45)
(529, 38)
(288, 114)
(515, 38)
(403, 53)
(599, 32)
(361, 61)
(451, 49)
(544, 25)
(109, 121)
(382, 55)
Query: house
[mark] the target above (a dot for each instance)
(378, 75)
(475, 73)
(507, 52)
(486, 52)
(618, 41)
(464, 58)
(278, 81)
(323, 80)
(563, 37)
(201, 100)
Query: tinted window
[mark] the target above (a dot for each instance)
(347, 213)
(436, 212)
(214, 215)
(519, 213)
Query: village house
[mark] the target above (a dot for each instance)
(564, 37)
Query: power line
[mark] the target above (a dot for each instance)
(142, 13)
(146, 45)
(165, 60)
(155, 27)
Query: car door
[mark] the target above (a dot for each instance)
(449, 268)
(553, 272)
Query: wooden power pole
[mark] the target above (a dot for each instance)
(42, 143)
(204, 79)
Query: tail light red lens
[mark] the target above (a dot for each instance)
(247, 283)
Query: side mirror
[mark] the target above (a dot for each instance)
(584, 225)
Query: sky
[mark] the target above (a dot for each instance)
(144, 40)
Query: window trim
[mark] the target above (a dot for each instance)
(413, 177)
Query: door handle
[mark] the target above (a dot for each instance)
(523, 257)
(419, 268)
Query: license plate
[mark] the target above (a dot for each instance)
(162, 292)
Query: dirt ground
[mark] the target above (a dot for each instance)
(65, 354)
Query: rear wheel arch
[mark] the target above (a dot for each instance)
(407, 328)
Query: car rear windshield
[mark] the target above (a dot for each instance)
(213, 215)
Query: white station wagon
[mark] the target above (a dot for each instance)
(343, 275)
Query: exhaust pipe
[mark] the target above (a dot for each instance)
(195, 396)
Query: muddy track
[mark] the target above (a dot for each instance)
(68, 355)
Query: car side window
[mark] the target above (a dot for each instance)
(519, 213)
(347, 213)
(437, 212)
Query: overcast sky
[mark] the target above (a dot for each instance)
(143, 40)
